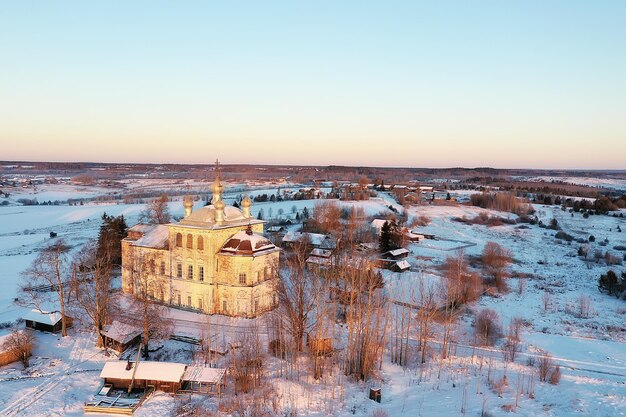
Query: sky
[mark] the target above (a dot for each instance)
(507, 84)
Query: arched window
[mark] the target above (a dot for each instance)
(179, 240)
(200, 243)
(189, 242)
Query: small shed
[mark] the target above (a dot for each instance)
(163, 376)
(120, 336)
(46, 321)
(400, 266)
(204, 380)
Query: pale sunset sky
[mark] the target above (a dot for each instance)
(510, 84)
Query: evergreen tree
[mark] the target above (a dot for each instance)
(112, 231)
(305, 213)
(390, 236)
(260, 215)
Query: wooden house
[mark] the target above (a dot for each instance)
(163, 376)
(397, 254)
(46, 322)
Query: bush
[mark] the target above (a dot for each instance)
(487, 327)
(544, 366)
(564, 236)
(555, 375)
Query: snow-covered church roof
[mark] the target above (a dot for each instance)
(245, 242)
(205, 217)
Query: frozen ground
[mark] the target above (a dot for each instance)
(591, 350)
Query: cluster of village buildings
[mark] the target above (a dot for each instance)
(217, 259)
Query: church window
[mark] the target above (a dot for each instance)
(179, 240)
(225, 306)
(199, 303)
(200, 243)
(242, 278)
(178, 299)
(190, 272)
(201, 273)
(189, 300)
(162, 269)
(179, 270)
(189, 242)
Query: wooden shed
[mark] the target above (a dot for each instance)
(163, 376)
(46, 322)
(120, 336)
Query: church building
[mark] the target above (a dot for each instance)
(215, 260)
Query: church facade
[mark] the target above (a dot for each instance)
(214, 260)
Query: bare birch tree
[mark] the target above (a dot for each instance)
(298, 290)
(143, 309)
(91, 287)
(45, 282)
(20, 343)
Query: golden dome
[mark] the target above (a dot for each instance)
(246, 202)
(220, 205)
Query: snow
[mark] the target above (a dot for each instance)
(321, 253)
(403, 265)
(157, 236)
(398, 252)
(591, 350)
(610, 183)
(316, 238)
(146, 370)
(43, 317)
(204, 374)
(258, 242)
(121, 332)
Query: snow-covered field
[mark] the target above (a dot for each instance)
(616, 184)
(591, 351)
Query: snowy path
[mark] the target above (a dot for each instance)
(29, 397)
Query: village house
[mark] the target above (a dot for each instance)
(163, 376)
(215, 260)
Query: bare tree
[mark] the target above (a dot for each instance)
(496, 260)
(298, 292)
(426, 313)
(487, 326)
(20, 343)
(544, 365)
(91, 287)
(462, 286)
(45, 281)
(143, 310)
(156, 212)
(366, 319)
(247, 361)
